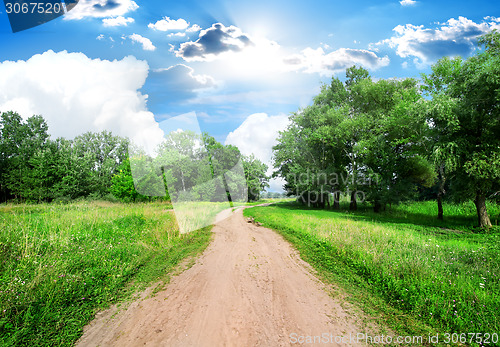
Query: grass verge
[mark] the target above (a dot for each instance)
(421, 276)
(60, 264)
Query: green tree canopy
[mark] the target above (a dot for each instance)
(465, 114)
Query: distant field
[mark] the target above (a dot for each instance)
(59, 264)
(421, 275)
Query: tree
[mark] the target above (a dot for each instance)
(35, 168)
(392, 143)
(100, 154)
(361, 134)
(311, 154)
(122, 184)
(227, 168)
(255, 175)
(72, 171)
(466, 117)
(19, 141)
(197, 167)
(43, 174)
(353, 125)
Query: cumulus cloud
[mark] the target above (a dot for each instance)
(183, 77)
(117, 21)
(101, 9)
(408, 2)
(317, 61)
(257, 135)
(193, 29)
(167, 24)
(214, 41)
(146, 43)
(452, 38)
(76, 94)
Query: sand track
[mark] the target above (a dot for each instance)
(249, 288)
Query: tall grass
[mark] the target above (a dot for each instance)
(442, 275)
(59, 264)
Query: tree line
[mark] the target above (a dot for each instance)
(35, 168)
(389, 140)
(195, 167)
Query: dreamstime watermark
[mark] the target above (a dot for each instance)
(199, 179)
(333, 179)
(362, 338)
(358, 338)
(26, 14)
(326, 186)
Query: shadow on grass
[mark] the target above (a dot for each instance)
(451, 225)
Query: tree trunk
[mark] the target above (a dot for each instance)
(377, 206)
(324, 200)
(441, 192)
(336, 200)
(228, 194)
(482, 213)
(183, 184)
(353, 206)
(440, 206)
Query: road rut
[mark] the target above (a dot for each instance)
(249, 288)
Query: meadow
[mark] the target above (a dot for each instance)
(193, 215)
(403, 266)
(60, 264)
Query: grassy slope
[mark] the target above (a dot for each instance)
(59, 264)
(418, 274)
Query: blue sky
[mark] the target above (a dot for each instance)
(241, 66)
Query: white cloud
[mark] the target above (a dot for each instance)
(117, 21)
(213, 42)
(180, 77)
(408, 2)
(176, 35)
(146, 43)
(317, 61)
(167, 24)
(102, 37)
(101, 9)
(76, 94)
(194, 28)
(454, 37)
(203, 81)
(257, 135)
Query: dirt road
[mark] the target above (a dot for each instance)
(249, 288)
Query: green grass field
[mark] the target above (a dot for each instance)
(418, 274)
(59, 264)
